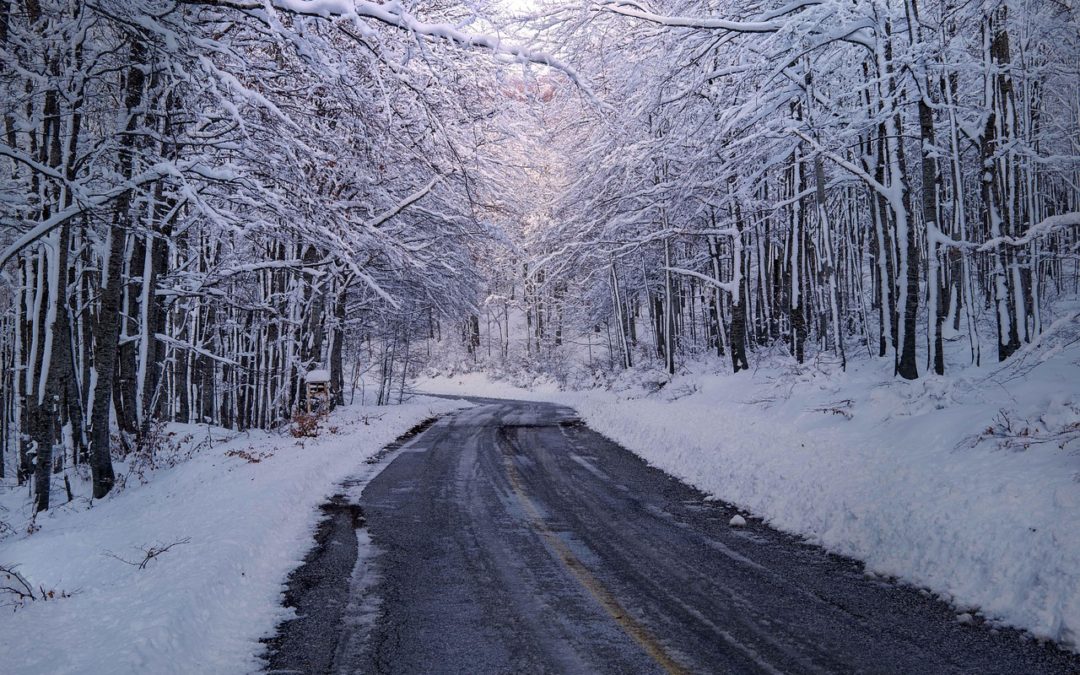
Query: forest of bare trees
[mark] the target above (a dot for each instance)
(203, 200)
(818, 177)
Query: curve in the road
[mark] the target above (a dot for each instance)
(510, 538)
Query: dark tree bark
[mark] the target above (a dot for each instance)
(125, 395)
(906, 365)
(107, 329)
(996, 134)
(797, 267)
(41, 413)
(45, 405)
(337, 371)
(738, 310)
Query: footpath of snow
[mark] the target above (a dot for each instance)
(202, 606)
(870, 466)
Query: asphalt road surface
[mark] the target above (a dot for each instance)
(510, 538)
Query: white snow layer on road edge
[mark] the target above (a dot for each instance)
(900, 485)
(202, 606)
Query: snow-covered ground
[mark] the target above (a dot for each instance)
(244, 511)
(922, 480)
(956, 484)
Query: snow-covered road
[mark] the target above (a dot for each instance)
(511, 538)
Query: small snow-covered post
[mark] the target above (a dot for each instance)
(316, 388)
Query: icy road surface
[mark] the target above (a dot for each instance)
(509, 538)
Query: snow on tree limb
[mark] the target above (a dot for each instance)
(41, 229)
(402, 205)
(1045, 227)
(393, 14)
(726, 286)
(768, 23)
(633, 10)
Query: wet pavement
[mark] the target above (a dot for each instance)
(510, 538)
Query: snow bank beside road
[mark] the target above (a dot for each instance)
(202, 606)
(898, 474)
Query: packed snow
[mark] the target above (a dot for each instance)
(241, 513)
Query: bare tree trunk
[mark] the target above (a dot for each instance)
(337, 338)
(669, 312)
(107, 330)
(739, 301)
(998, 133)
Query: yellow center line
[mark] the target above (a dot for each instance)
(629, 624)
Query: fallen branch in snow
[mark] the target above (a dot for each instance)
(367, 418)
(1020, 435)
(149, 553)
(765, 402)
(251, 456)
(842, 408)
(15, 584)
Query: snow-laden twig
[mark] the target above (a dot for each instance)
(149, 553)
(395, 15)
(15, 583)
